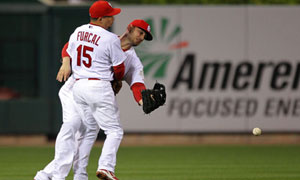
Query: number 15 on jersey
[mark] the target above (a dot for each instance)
(83, 55)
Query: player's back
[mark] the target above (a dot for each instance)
(94, 50)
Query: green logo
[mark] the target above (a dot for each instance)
(156, 54)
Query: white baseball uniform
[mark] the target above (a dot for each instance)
(66, 146)
(133, 74)
(94, 51)
(134, 70)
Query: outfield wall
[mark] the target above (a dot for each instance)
(226, 69)
(30, 50)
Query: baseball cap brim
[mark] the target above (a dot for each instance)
(148, 36)
(115, 11)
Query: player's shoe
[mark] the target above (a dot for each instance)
(106, 175)
(41, 175)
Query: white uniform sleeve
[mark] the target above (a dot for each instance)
(135, 72)
(116, 53)
(70, 49)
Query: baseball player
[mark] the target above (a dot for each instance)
(138, 30)
(96, 52)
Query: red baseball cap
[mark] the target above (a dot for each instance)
(144, 26)
(103, 8)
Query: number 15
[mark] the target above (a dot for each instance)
(87, 63)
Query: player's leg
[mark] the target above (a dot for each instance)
(65, 146)
(46, 173)
(71, 119)
(85, 139)
(64, 151)
(114, 135)
(98, 96)
(107, 116)
(108, 158)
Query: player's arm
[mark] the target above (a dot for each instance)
(118, 57)
(137, 89)
(65, 69)
(119, 71)
(149, 99)
(134, 76)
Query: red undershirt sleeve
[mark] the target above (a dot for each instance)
(64, 52)
(119, 71)
(136, 89)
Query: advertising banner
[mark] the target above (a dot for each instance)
(226, 69)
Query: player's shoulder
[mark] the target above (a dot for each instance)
(131, 52)
(133, 57)
(112, 36)
(108, 36)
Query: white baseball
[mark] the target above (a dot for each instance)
(256, 131)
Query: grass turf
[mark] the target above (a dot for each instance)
(218, 162)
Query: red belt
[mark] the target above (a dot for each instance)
(89, 79)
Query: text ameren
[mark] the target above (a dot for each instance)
(239, 76)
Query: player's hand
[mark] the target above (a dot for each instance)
(64, 70)
(140, 102)
(116, 86)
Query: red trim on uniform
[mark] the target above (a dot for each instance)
(124, 50)
(119, 71)
(64, 52)
(90, 79)
(136, 89)
(93, 79)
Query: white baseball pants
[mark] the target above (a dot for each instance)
(96, 97)
(67, 149)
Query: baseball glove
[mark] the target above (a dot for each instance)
(153, 98)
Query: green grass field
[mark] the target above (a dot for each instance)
(213, 162)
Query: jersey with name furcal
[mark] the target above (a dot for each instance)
(94, 51)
